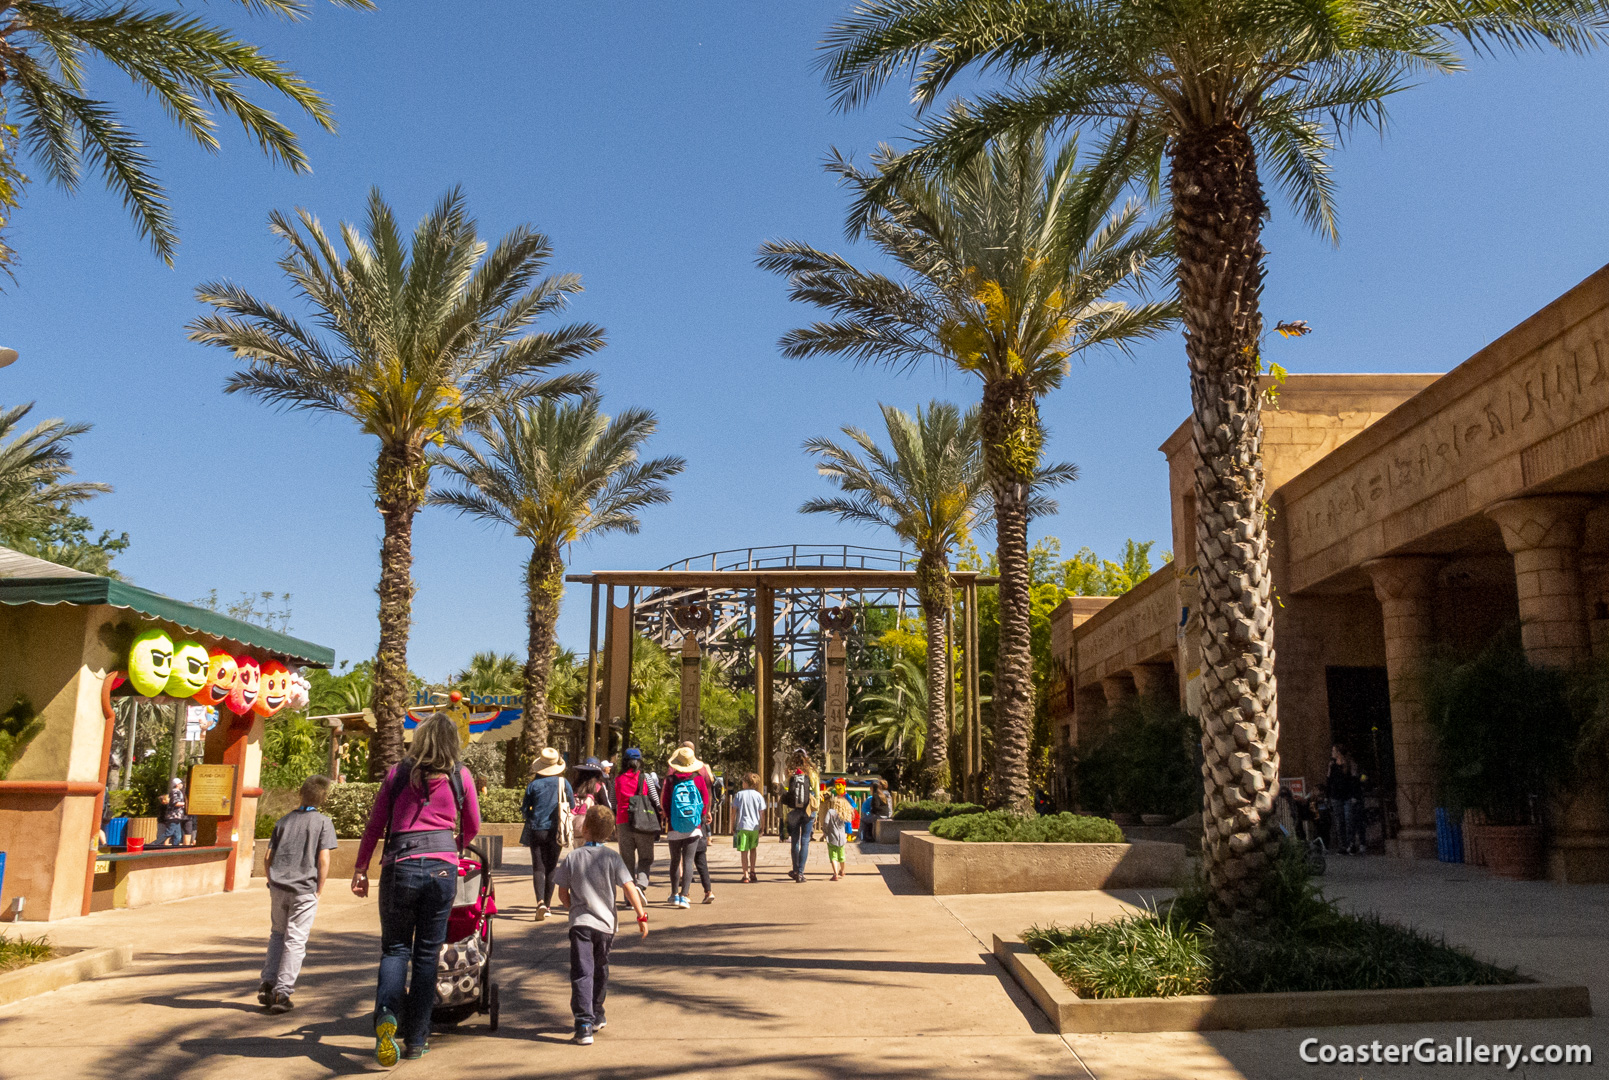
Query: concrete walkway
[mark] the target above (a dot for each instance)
(863, 977)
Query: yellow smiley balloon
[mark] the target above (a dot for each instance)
(189, 670)
(150, 663)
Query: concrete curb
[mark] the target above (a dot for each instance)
(948, 867)
(63, 971)
(1071, 1014)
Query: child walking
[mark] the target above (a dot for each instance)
(748, 806)
(587, 880)
(298, 861)
(836, 817)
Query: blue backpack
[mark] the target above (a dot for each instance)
(686, 806)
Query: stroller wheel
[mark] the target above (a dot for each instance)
(492, 998)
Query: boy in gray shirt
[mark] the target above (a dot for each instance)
(298, 861)
(587, 880)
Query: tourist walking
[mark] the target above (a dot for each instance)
(705, 779)
(297, 863)
(837, 817)
(422, 798)
(546, 809)
(589, 792)
(878, 806)
(801, 794)
(637, 813)
(748, 808)
(684, 825)
(587, 882)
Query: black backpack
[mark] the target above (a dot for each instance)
(799, 791)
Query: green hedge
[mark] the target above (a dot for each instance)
(1004, 826)
(501, 804)
(933, 810)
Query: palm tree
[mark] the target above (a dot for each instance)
(898, 716)
(1199, 90)
(191, 67)
(490, 674)
(418, 342)
(1008, 267)
(34, 465)
(554, 474)
(928, 490)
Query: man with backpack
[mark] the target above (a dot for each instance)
(637, 814)
(684, 820)
(801, 795)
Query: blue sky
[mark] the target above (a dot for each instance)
(659, 145)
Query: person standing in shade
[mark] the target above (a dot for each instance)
(419, 802)
(547, 797)
(298, 862)
(1346, 801)
(637, 814)
(801, 794)
(748, 807)
(170, 818)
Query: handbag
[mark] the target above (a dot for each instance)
(644, 818)
(566, 822)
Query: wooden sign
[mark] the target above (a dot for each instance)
(212, 790)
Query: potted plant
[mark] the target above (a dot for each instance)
(1505, 732)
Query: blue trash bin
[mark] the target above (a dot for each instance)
(1449, 837)
(116, 831)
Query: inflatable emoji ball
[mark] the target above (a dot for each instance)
(150, 662)
(221, 676)
(243, 697)
(271, 694)
(189, 670)
(300, 693)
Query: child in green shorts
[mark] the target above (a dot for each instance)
(836, 819)
(748, 806)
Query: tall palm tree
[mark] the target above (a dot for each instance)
(418, 341)
(34, 466)
(1200, 90)
(554, 474)
(928, 489)
(1008, 268)
(193, 68)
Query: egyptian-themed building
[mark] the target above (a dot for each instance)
(1408, 513)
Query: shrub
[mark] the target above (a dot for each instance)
(933, 810)
(1004, 826)
(20, 952)
(1134, 956)
(501, 804)
(265, 826)
(1144, 764)
(349, 806)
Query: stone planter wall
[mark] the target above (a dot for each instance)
(944, 867)
(889, 831)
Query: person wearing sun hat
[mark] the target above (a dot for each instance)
(547, 798)
(684, 822)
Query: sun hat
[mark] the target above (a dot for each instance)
(549, 763)
(684, 761)
(591, 765)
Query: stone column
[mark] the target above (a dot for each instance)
(835, 755)
(1406, 588)
(1544, 536)
(1154, 680)
(688, 721)
(1543, 533)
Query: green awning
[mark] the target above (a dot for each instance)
(86, 590)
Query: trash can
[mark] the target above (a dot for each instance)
(1449, 837)
(116, 829)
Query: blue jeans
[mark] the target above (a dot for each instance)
(416, 896)
(800, 825)
(169, 834)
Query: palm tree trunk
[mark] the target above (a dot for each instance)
(544, 588)
(1009, 419)
(933, 589)
(1218, 212)
(400, 479)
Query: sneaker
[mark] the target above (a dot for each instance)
(684, 902)
(542, 912)
(414, 1053)
(583, 1034)
(282, 1004)
(265, 994)
(709, 898)
(386, 1050)
(600, 1025)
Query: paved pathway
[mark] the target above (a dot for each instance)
(862, 977)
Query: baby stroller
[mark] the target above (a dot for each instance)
(464, 984)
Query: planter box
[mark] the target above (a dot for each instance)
(76, 966)
(1071, 1014)
(889, 831)
(945, 867)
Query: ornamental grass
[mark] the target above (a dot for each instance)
(21, 952)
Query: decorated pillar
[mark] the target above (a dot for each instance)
(1544, 536)
(687, 721)
(835, 728)
(1406, 588)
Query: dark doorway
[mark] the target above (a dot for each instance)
(1360, 721)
